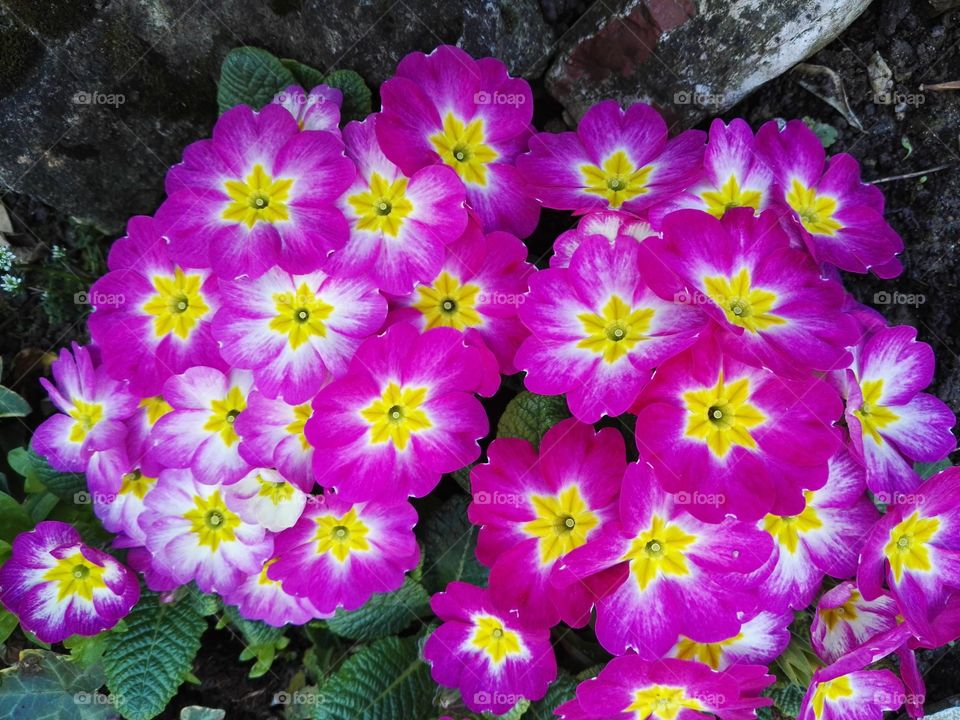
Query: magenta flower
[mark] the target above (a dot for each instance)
(859, 695)
(260, 193)
(617, 159)
(611, 224)
(493, 656)
(534, 509)
(761, 640)
(597, 330)
(448, 108)
(338, 554)
(92, 407)
(768, 297)
(193, 535)
(668, 689)
(845, 620)
(837, 217)
(399, 224)
(295, 332)
(151, 317)
(478, 290)
(317, 110)
(272, 435)
(673, 560)
(403, 415)
(893, 424)
(199, 434)
(733, 438)
(59, 587)
(258, 597)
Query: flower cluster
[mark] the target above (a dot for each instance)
(294, 346)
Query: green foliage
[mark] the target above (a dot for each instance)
(88, 650)
(11, 404)
(384, 681)
(826, 134)
(787, 698)
(928, 470)
(529, 416)
(195, 712)
(14, 518)
(40, 476)
(261, 641)
(383, 614)
(307, 77)
(8, 623)
(561, 690)
(146, 664)
(47, 686)
(450, 543)
(357, 98)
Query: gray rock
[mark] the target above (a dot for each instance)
(690, 58)
(98, 98)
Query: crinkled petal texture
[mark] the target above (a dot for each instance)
(295, 332)
(447, 108)
(493, 656)
(597, 330)
(768, 297)
(478, 290)
(845, 620)
(837, 217)
(338, 554)
(317, 110)
(404, 414)
(534, 509)
(615, 159)
(859, 695)
(272, 435)
(258, 597)
(57, 586)
(674, 560)
(399, 224)
(193, 535)
(260, 193)
(893, 424)
(151, 317)
(92, 409)
(610, 224)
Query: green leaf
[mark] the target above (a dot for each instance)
(450, 542)
(8, 623)
(928, 470)
(529, 416)
(195, 712)
(787, 697)
(87, 650)
(561, 690)
(146, 664)
(261, 641)
(251, 76)
(46, 686)
(357, 98)
(462, 476)
(384, 681)
(14, 518)
(383, 614)
(827, 134)
(39, 475)
(11, 404)
(307, 77)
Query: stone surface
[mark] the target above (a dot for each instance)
(690, 58)
(98, 98)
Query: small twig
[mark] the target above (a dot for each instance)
(907, 176)
(952, 85)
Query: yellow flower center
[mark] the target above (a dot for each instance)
(263, 578)
(275, 491)
(708, 653)
(786, 529)
(396, 414)
(743, 305)
(617, 180)
(872, 415)
(301, 413)
(447, 303)
(300, 316)
(815, 211)
(844, 613)
(156, 408)
(832, 690)
(615, 330)
(721, 416)
(730, 195)
(663, 702)
(464, 148)
(563, 523)
(340, 536)
(177, 305)
(658, 550)
(257, 198)
(136, 483)
(76, 576)
(223, 414)
(383, 207)
(490, 636)
(907, 545)
(86, 415)
(211, 521)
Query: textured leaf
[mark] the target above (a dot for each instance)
(261, 641)
(39, 475)
(146, 664)
(787, 697)
(307, 77)
(384, 614)
(251, 76)
(928, 470)
(47, 686)
(450, 543)
(357, 98)
(11, 404)
(529, 416)
(8, 623)
(14, 518)
(561, 690)
(195, 712)
(384, 681)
